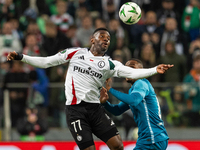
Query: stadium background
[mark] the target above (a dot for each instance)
(168, 32)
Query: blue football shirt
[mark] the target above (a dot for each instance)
(145, 107)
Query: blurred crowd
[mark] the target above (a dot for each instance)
(168, 32)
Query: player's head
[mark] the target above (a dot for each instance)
(100, 40)
(133, 63)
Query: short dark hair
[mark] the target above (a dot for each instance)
(134, 61)
(98, 29)
(137, 60)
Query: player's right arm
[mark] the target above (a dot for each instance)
(43, 62)
(115, 109)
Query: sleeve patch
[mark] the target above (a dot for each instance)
(62, 52)
(112, 66)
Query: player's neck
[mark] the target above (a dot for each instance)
(95, 52)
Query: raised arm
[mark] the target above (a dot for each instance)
(128, 72)
(42, 62)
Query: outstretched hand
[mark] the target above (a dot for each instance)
(103, 95)
(11, 56)
(162, 68)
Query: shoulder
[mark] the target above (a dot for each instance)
(72, 49)
(141, 83)
(114, 64)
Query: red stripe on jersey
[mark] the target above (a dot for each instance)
(71, 55)
(74, 100)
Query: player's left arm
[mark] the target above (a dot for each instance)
(128, 72)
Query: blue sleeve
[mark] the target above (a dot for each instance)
(136, 95)
(116, 109)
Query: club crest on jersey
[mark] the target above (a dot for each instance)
(88, 71)
(101, 64)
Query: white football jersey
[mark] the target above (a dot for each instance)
(86, 73)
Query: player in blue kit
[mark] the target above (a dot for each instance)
(144, 105)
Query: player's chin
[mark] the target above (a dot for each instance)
(104, 49)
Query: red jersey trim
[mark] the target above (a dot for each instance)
(71, 55)
(74, 100)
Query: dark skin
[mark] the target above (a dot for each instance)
(100, 43)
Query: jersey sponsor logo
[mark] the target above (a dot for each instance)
(88, 71)
(101, 64)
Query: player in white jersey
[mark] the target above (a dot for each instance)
(87, 72)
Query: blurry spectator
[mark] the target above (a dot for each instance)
(148, 55)
(38, 93)
(151, 24)
(29, 15)
(4, 68)
(31, 125)
(119, 38)
(8, 42)
(177, 73)
(110, 9)
(7, 10)
(147, 5)
(99, 23)
(155, 39)
(71, 34)
(85, 31)
(54, 40)
(194, 50)
(192, 93)
(33, 28)
(167, 11)
(31, 48)
(18, 96)
(16, 31)
(63, 20)
(148, 58)
(191, 19)
(145, 38)
(172, 33)
(81, 13)
(39, 6)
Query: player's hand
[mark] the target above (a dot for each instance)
(162, 68)
(11, 56)
(108, 83)
(103, 95)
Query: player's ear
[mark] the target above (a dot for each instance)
(92, 40)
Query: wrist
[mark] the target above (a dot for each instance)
(18, 56)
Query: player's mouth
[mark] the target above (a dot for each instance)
(105, 44)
